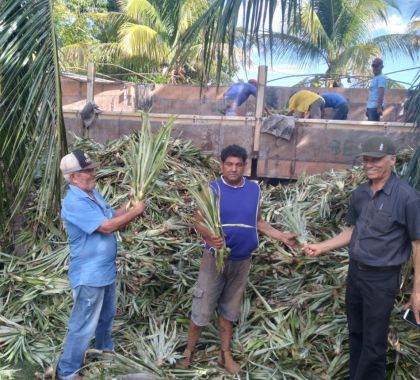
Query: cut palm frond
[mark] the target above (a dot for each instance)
(146, 157)
(294, 220)
(292, 314)
(208, 204)
(32, 135)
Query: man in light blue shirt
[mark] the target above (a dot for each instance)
(378, 84)
(90, 224)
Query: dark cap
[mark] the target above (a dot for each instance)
(377, 146)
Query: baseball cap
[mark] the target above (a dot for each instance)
(377, 61)
(76, 161)
(377, 146)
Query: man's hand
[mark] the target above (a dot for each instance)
(122, 217)
(380, 110)
(289, 238)
(214, 241)
(313, 249)
(138, 207)
(414, 304)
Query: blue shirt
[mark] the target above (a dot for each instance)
(385, 223)
(239, 205)
(239, 92)
(377, 82)
(333, 100)
(92, 253)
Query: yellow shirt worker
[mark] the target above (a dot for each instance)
(307, 103)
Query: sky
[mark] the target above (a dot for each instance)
(396, 23)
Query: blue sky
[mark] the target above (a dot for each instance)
(396, 23)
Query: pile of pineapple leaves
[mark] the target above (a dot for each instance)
(292, 324)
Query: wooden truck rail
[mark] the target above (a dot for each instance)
(315, 146)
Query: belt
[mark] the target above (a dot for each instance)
(372, 268)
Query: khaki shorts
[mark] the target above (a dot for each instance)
(315, 109)
(224, 290)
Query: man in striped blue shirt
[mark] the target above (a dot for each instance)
(239, 205)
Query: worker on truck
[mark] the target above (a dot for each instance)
(338, 103)
(308, 104)
(237, 94)
(377, 86)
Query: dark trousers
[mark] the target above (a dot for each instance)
(372, 114)
(370, 298)
(340, 113)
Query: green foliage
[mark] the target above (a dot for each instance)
(32, 136)
(412, 105)
(139, 35)
(292, 323)
(411, 172)
(222, 36)
(336, 33)
(146, 157)
(74, 20)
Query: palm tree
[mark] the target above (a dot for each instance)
(32, 135)
(141, 36)
(220, 22)
(336, 33)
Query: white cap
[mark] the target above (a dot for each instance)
(76, 161)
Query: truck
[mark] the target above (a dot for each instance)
(315, 145)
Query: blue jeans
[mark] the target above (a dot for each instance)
(340, 113)
(231, 106)
(372, 114)
(92, 314)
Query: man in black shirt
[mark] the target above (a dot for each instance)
(384, 219)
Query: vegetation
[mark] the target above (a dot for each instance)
(146, 157)
(136, 40)
(31, 123)
(338, 34)
(292, 324)
(32, 136)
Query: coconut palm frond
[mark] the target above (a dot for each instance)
(395, 45)
(356, 58)
(220, 22)
(412, 172)
(413, 110)
(31, 121)
(144, 12)
(313, 27)
(337, 33)
(146, 157)
(188, 13)
(208, 204)
(295, 49)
